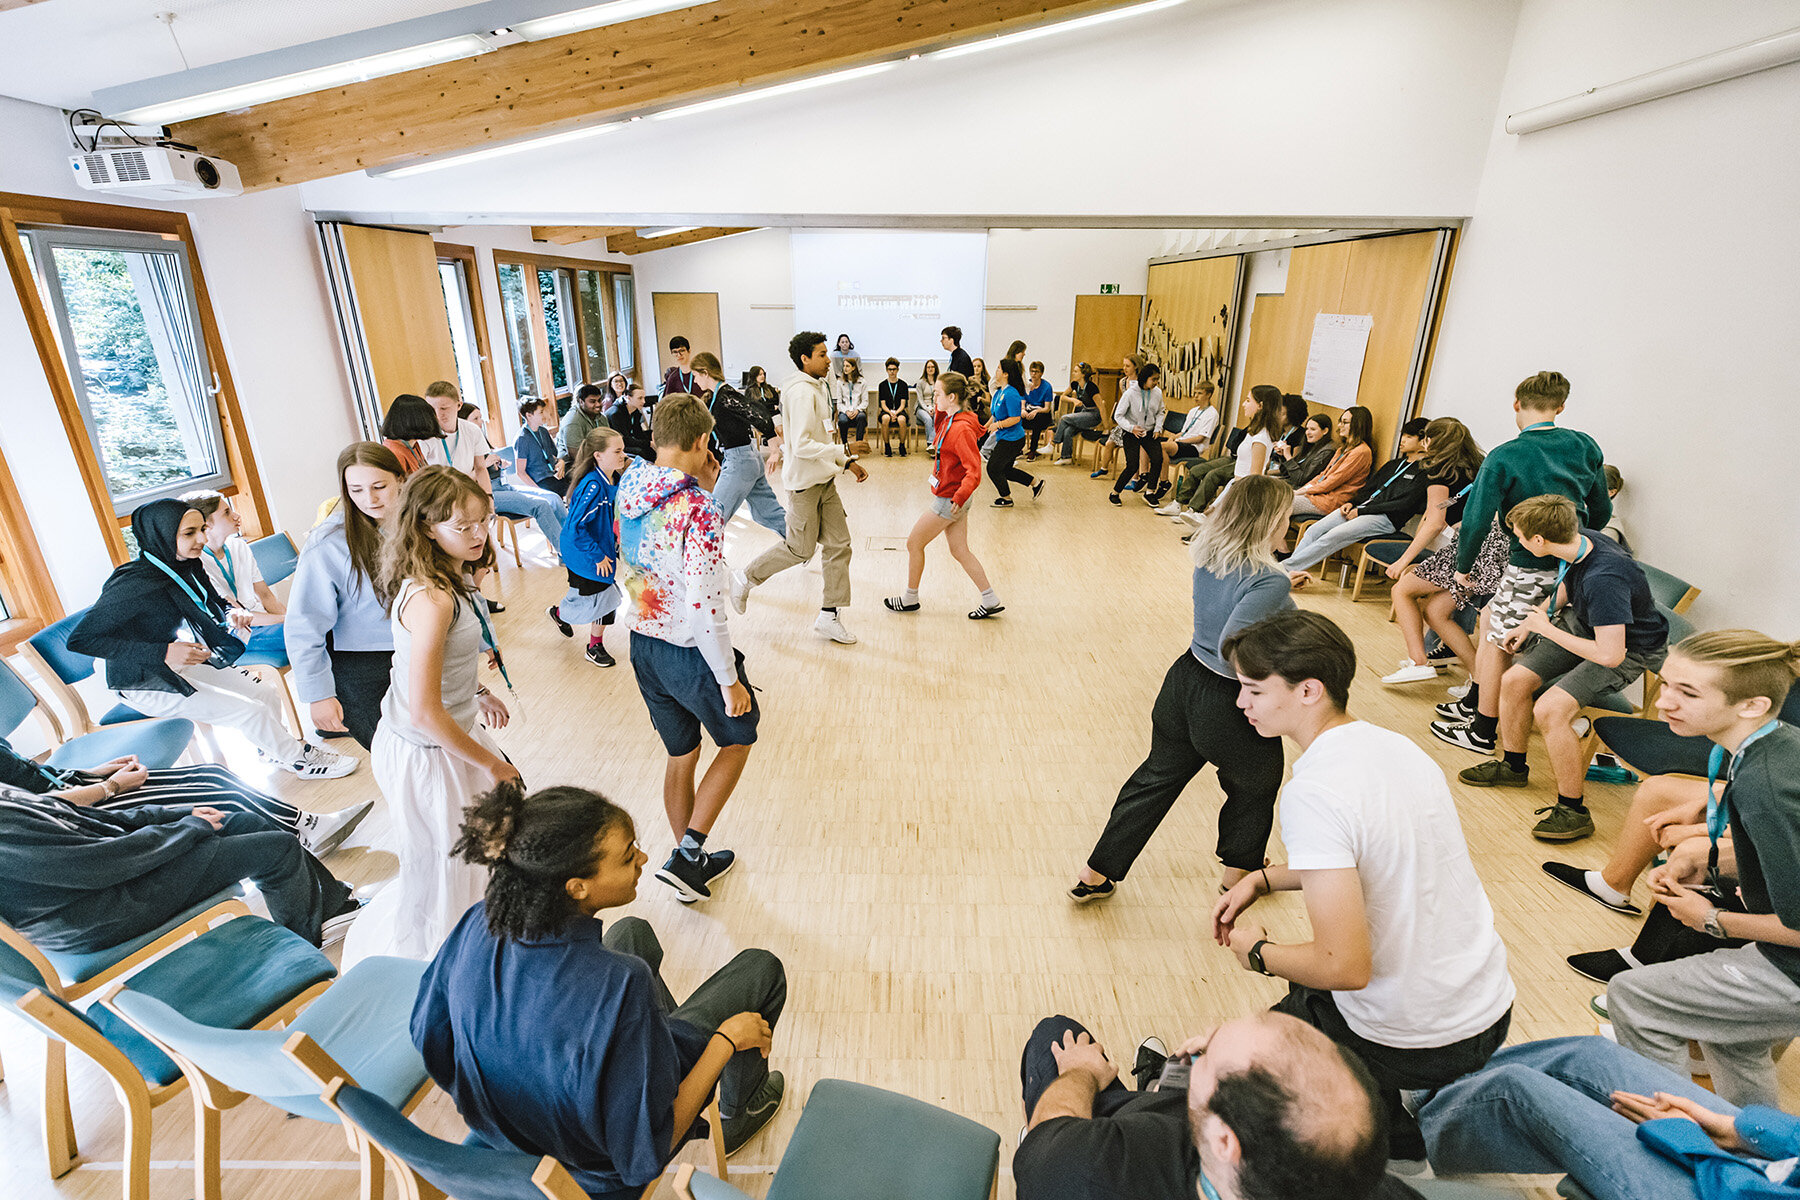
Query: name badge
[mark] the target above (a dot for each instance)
(931, 481)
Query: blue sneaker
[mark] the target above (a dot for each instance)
(1097, 474)
(1134, 485)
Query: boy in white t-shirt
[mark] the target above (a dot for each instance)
(1405, 967)
(231, 568)
(460, 443)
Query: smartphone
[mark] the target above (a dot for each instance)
(1175, 1072)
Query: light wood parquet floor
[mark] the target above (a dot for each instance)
(913, 810)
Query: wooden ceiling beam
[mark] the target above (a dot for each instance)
(531, 88)
(631, 243)
(569, 235)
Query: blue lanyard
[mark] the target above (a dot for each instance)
(450, 448)
(183, 584)
(1398, 472)
(225, 569)
(1718, 808)
(1538, 425)
(1207, 1189)
(1562, 570)
(477, 603)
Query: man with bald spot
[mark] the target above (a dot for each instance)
(1274, 1110)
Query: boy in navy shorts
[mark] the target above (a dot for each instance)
(673, 570)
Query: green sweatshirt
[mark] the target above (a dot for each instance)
(1553, 461)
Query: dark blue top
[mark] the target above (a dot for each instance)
(1008, 404)
(1040, 395)
(591, 531)
(556, 1047)
(1608, 588)
(1763, 799)
(537, 455)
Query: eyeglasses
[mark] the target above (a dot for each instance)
(461, 531)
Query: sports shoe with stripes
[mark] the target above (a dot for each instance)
(316, 762)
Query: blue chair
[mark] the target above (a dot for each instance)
(157, 744)
(430, 1167)
(856, 1140)
(1378, 553)
(1671, 591)
(275, 557)
(245, 973)
(358, 1030)
(1615, 704)
(60, 669)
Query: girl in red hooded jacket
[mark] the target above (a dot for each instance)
(956, 433)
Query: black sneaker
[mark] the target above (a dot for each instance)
(715, 863)
(1440, 654)
(1037, 489)
(1151, 1055)
(1576, 877)
(1159, 495)
(1003, 502)
(1495, 773)
(762, 1106)
(687, 876)
(337, 925)
(1455, 710)
(1563, 824)
(494, 606)
(1087, 893)
(598, 655)
(1599, 965)
(562, 626)
(1113, 499)
(1459, 734)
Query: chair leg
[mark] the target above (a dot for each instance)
(207, 1183)
(716, 1123)
(513, 528)
(374, 1171)
(137, 1142)
(59, 1121)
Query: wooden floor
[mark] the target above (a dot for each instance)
(914, 809)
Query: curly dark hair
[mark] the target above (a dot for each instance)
(533, 845)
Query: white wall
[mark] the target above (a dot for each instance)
(1650, 255)
(262, 269)
(1325, 107)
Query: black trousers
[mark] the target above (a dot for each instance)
(1000, 466)
(298, 889)
(1035, 426)
(1395, 1069)
(1196, 721)
(1652, 747)
(362, 678)
(1152, 461)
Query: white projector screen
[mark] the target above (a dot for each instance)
(890, 291)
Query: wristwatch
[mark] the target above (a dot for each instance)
(1714, 925)
(1256, 958)
(110, 786)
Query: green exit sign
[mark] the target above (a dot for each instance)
(1109, 289)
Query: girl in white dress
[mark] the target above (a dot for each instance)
(431, 756)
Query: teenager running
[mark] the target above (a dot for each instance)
(590, 543)
(1006, 424)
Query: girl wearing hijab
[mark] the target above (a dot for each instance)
(167, 640)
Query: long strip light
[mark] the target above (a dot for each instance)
(501, 150)
(780, 89)
(998, 41)
(663, 231)
(595, 16)
(314, 79)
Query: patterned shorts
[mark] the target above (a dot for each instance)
(1439, 568)
(1521, 590)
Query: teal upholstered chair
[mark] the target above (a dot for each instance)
(275, 557)
(359, 1026)
(245, 973)
(156, 743)
(861, 1141)
(1671, 591)
(61, 669)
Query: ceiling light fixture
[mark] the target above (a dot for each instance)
(1027, 35)
(299, 83)
(594, 16)
(498, 151)
(780, 89)
(663, 231)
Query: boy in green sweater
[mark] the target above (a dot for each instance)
(1543, 460)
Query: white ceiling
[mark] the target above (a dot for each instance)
(59, 51)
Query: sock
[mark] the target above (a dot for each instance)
(596, 638)
(1578, 803)
(1484, 726)
(1473, 698)
(989, 600)
(1516, 760)
(910, 596)
(1603, 889)
(693, 844)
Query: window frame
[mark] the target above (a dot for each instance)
(450, 252)
(575, 333)
(245, 483)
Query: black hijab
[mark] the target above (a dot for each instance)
(154, 526)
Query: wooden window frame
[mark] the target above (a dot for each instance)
(478, 315)
(246, 481)
(531, 263)
(31, 598)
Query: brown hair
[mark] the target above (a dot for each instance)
(1453, 450)
(708, 365)
(1750, 664)
(1297, 645)
(680, 421)
(361, 534)
(1549, 516)
(204, 501)
(1362, 425)
(597, 440)
(430, 496)
(1547, 392)
(1615, 482)
(955, 385)
(442, 387)
(1269, 412)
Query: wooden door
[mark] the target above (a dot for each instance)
(694, 316)
(405, 324)
(1106, 330)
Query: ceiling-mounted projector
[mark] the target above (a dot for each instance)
(160, 172)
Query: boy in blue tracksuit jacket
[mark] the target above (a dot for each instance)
(590, 542)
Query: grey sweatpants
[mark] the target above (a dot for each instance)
(1735, 1003)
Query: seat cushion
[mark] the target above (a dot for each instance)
(79, 967)
(156, 743)
(364, 1023)
(856, 1140)
(1386, 552)
(1614, 702)
(122, 712)
(231, 977)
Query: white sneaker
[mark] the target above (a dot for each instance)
(828, 625)
(1192, 518)
(740, 592)
(334, 928)
(321, 833)
(1170, 509)
(1410, 672)
(1062, 462)
(1459, 691)
(316, 762)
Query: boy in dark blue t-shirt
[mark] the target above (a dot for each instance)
(1598, 634)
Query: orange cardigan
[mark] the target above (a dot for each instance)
(1347, 471)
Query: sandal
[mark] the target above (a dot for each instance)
(984, 612)
(896, 604)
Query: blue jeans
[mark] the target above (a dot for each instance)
(528, 500)
(1545, 1106)
(1067, 427)
(1332, 533)
(741, 478)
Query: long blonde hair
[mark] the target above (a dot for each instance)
(430, 496)
(1750, 663)
(1238, 537)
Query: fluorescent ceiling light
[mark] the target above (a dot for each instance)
(1027, 35)
(594, 16)
(499, 151)
(663, 231)
(316, 79)
(780, 89)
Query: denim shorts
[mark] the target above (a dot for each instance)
(944, 508)
(683, 697)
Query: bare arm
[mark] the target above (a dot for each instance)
(272, 605)
(427, 615)
(1339, 957)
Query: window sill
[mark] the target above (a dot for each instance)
(15, 631)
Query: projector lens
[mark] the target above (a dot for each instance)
(206, 173)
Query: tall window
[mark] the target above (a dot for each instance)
(561, 332)
(625, 320)
(517, 307)
(561, 328)
(454, 276)
(593, 323)
(128, 325)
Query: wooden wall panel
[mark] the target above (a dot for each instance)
(1188, 324)
(693, 315)
(405, 323)
(1106, 330)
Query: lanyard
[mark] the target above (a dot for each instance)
(1563, 569)
(938, 445)
(183, 584)
(1538, 425)
(477, 603)
(225, 569)
(1207, 1189)
(1718, 808)
(1383, 486)
(450, 447)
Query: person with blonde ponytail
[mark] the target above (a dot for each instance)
(556, 1036)
(1196, 719)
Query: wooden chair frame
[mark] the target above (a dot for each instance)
(1364, 560)
(504, 527)
(192, 927)
(75, 709)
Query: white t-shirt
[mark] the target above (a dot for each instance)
(1201, 420)
(239, 567)
(459, 449)
(1369, 798)
(1243, 453)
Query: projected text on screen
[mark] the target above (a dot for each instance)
(891, 292)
